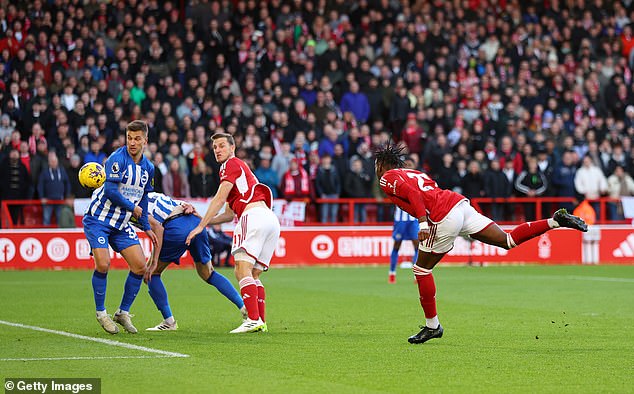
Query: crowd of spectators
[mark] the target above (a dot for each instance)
(491, 98)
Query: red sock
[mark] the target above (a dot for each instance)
(249, 292)
(426, 290)
(529, 230)
(261, 298)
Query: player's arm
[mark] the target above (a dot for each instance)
(214, 206)
(405, 192)
(225, 217)
(143, 205)
(152, 263)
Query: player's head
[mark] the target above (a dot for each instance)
(388, 158)
(136, 137)
(224, 146)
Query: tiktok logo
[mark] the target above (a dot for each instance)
(31, 249)
(7, 250)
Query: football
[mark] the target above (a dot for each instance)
(92, 175)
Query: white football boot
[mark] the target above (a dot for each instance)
(164, 326)
(249, 326)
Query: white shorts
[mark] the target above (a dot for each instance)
(463, 219)
(255, 237)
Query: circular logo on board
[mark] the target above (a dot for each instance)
(57, 249)
(322, 247)
(31, 249)
(7, 250)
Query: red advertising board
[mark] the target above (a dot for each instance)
(57, 249)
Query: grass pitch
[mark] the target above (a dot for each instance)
(507, 329)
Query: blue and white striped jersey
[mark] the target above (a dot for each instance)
(134, 180)
(402, 216)
(160, 206)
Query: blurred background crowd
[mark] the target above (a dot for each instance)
(491, 98)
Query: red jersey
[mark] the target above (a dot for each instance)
(246, 187)
(417, 194)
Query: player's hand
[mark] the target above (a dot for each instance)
(149, 270)
(197, 230)
(188, 208)
(137, 212)
(424, 231)
(152, 237)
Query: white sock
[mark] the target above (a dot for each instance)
(433, 322)
(170, 320)
(120, 312)
(553, 223)
(102, 313)
(392, 272)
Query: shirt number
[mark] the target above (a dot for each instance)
(421, 178)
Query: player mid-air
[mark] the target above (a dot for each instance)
(405, 229)
(256, 233)
(129, 176)
(443, 215)
(172, 221)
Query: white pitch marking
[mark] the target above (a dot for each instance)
(99, 340)
(78, 358)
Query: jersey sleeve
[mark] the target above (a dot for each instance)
(114, 168)
(230, 172)
(149, 186)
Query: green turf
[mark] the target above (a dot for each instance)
(507, 329)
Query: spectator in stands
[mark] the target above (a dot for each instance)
(564, 179)
(95, 154)
(358, 184)
(531, 183)
(328, 185)
(590, 182)
(175, 183)
(6, 127)
(53, 184)
(282, 160)
(473, 182)
(76, 189)
(202, 180)
(267, 175)
(13, 174)
(496, 185)
(295, 183)
(620, 184)
(220, 243)
(356, 102)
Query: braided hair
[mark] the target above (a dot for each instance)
(390, 156)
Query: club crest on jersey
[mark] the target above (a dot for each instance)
(144, 177)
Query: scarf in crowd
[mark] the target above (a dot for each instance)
(289, 182)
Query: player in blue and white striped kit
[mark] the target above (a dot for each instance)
(129, 177)
(405, 229)
(172, 221)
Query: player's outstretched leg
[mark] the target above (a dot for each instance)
(494, 235)
(427, 292)
(222, 284)
(159, 296)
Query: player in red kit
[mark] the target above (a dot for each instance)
(256, 233)
(443, 215)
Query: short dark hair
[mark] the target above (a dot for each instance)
(227, 136)
(137, 125)
(390, 156)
